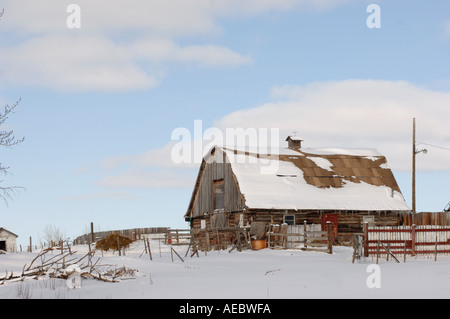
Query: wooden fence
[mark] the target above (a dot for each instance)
(305, 237)
(177, 237)
(407, 240)
(275, 236)
(133, 233)
(427, 218)
(219, 239)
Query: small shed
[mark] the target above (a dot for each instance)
(8, 240)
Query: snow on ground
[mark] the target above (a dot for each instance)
(262, 274)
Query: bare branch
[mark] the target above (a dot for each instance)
(7, 139)
(57, 267)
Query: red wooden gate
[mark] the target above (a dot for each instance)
(333, 218)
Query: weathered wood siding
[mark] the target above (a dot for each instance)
(8, 241)
(204, 197)
(349, 222)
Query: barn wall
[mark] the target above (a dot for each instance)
(349, 222)
(204, 197)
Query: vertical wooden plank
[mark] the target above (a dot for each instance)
(149, 249)
(92, 233)
(366, 239)
(304, 235)
(435, 250)
(330, 237)
(207, 241)
(378, 250)
(404, 253)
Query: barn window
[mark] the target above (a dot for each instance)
(289, 219)
(219, 198)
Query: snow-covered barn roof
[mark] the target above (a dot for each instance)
(315, 179)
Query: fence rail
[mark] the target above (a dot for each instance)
(305, 237)
(178, 237)
(408, 240)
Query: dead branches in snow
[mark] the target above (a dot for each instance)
(62, 265)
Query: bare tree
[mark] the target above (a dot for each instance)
(7, 139)
(53, 234)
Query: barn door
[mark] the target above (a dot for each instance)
(333, 218)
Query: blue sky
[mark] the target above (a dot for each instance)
(99, 103)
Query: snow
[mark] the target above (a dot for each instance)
(322, 163)
(342, 151)
(263, 274)
(276, 184)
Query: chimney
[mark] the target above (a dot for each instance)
(294, 142)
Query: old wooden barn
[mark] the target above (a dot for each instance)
(7, 240)
(236, 188)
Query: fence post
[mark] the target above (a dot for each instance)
(330, 237)
(413, 240)
(92, 233)
(149, 249)
(435, 250)
(378, 250)
(366, 239)
(305, 239)
(206, 241)
(404, 253)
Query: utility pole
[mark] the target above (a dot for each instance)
(414, 152)
(414, 170)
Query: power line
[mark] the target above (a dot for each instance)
(441, 147)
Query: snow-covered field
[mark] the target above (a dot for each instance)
(263, 274)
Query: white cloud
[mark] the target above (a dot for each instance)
(370, 114)
(158, 157)
(122, 45)
(73, 63)
(165, 50)
(101, 195)
(168, 17)
(248, 7)
(358, 114)
(139, 178)
(151, 169)
(155, 17)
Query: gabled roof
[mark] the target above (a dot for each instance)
(315, 179)
(4, 229)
